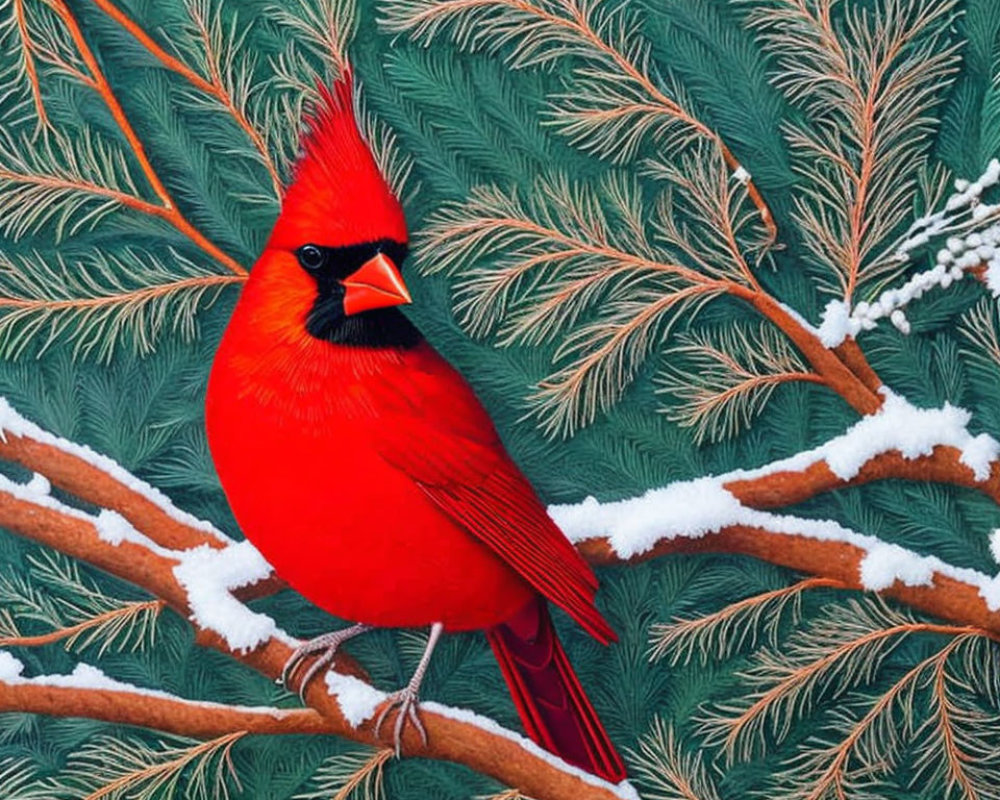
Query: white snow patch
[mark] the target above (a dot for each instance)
(85, 676)
(10, 668)
(887, 563)
(692, 509)
(882, 559)
(897, 426)
(358, 700)
(209, 575)
(113, 528)
(993, 276)
(837, 324)
(995, 544)
(742, 175)
(32, 493)
(13, 423)
(913, 431)
(979, 453)
(624, 790)
(38, 484)
(688, 509)
(110, 527)
(990, 592)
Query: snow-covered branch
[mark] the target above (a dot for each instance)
(206, 577)
(88, 692)
(724, 513)
(201, 583)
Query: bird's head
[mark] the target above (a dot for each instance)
(333, 259)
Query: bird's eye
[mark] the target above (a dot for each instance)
(310, 256)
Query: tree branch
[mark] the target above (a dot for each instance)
(946, 597)
(199, 720)
(839, 375)
(100, 83)
(154, 545)
(214, 88)
(454, 735)
(102, 482)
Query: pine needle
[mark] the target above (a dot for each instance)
(866, 84)
(70, 184)
(356, 775)
(840, 650)
(722, 634)
(129, 768)
(666, 771)
(724, 378)
(102, 301)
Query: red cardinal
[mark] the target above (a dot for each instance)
(365, 469)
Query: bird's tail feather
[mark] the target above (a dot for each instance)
(553, 707)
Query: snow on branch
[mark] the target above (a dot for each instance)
(101, 481)
(139, 535)
(88, 692)
(197, 570)
(725, 513)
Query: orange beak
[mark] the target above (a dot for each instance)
(377, 284)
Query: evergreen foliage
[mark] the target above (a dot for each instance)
(568, 174)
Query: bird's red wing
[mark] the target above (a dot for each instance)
(435, 430)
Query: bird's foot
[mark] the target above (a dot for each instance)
(407, 700)
(327, 645)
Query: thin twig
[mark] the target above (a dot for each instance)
(169, 211)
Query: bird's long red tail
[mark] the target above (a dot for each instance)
(553, 707)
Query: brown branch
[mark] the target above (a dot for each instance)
(788, 487)
(168, 714)
(827, 363)
(170, 211)
(215, 88)
(945, 597)
(854, 359)
(72, 473)
(449, 739)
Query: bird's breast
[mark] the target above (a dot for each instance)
(296, 452)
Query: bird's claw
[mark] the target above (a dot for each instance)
(408, 702)
(327, 645)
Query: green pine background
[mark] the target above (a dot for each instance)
(467, 119)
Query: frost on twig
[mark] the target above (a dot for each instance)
(967, 231)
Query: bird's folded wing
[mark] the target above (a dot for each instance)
(441, 437)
